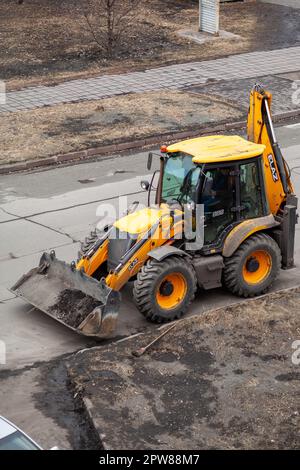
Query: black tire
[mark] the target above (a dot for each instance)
(238, 270)
(89, 241)
(85, 247)
(150, 280)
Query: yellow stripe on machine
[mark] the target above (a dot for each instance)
(140, 221)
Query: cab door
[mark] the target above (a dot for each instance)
(219, 199)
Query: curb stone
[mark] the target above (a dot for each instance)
(92, 153)
(88, 406)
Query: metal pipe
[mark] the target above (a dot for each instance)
(274, 140)
(276, 149)
(159, 186)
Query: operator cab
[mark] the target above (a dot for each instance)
(223, 173)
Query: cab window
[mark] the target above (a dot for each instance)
(218, 198)
(180, 178)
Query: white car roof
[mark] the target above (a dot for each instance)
(5, 428)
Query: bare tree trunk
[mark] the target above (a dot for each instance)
(110, 31)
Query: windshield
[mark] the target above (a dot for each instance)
(17, 441)
(181, 176)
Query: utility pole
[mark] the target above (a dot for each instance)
(209, 14)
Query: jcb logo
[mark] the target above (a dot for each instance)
(273, 168)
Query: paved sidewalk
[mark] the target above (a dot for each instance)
(249, 65)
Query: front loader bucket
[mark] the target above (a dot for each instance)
(70, 296)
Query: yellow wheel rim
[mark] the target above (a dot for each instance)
(171, 291)
(257, 267)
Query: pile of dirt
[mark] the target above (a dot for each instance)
(76, 126)
(46, 40)
(227, 379)
(73, 306)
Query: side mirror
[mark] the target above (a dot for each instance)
(149, 162)
(191, 206)
(145, 185)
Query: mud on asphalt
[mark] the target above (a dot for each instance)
(58, 401)
(44, 390)
(224, 379)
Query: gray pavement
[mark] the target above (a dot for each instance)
(52, 209)
(285, 96)
(248, 65)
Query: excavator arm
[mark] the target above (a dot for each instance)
(260, 130)
(279, 189)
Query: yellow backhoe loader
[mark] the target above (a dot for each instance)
(247, 221)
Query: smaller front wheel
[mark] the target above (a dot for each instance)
(253, 267)
(164, 289)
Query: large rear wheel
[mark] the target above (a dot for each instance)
(164, 289)
(253, 267)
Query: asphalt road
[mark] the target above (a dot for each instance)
(54, 209)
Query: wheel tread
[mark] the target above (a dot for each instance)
(144, 283)
(232, 265)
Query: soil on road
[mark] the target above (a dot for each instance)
(222, 380)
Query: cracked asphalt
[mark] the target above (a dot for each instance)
(54, 209)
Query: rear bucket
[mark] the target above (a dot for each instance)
(76, 300)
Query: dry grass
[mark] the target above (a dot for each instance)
(42, 132)
(44, 41)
